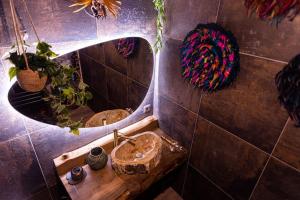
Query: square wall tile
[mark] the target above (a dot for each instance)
(249, 107)
(288, 148)
(11, 123)
(5, 39)
(183, 16)
(260, 37)
(229, 162)
(141, 64)
(136, 93)
(96, 52)
(54, 21)
(278, 182)
(94, 74)
(116, 87)
(113, 59)
(176, 121)
(171, 84)
(198, 187)
(20, 176)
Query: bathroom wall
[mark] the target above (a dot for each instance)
(117, 82)
(27, 147)
(242, 144)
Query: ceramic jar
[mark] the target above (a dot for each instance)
(97, 158)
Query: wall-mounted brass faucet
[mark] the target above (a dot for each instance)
(118, 135)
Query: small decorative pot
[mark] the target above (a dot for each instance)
(97, 158)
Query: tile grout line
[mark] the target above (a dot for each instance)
(270, 156)
(231, 134)
(190, 149)
(286, 164)
(218, 11)
(14, 138)
(173, 101)
(120, 73)
(241, 139)
(211, 181)
(37, 159)
(263, 57)
(241, 53)
(235, 136)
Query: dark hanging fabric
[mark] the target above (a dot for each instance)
(288, 85)
(274, 10)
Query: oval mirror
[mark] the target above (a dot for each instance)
(118, 74)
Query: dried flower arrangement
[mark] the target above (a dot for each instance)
(209, 57)
(288, 85)
(274, 10)
(99, 7)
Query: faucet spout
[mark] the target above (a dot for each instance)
(118, 135)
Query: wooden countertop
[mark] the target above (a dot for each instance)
(105, 184)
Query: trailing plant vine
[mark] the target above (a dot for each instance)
(159, 6)
(65, 89)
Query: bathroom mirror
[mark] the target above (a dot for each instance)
(118, 73)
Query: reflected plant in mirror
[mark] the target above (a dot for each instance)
(117, 83)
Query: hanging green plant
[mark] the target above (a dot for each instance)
(65, 89)
(38, 61)
(159, 6)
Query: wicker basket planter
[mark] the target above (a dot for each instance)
(31, 81)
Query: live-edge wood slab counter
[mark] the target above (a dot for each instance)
(105, 184)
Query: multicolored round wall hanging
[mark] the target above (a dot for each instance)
(288, 85)
(209, 57)
(274, 10)
(126, 46)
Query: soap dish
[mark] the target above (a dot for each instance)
(76, 175)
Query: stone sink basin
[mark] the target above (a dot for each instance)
(139, 156)
(107, 117)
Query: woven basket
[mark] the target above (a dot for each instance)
(31, 81)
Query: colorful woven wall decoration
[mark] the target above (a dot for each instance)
(288, 85)
(209, 57)
(274, 10)
(126, 46)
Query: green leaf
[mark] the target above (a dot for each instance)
(75, 131)
(68, 92)
(44, 49)
(12, 72)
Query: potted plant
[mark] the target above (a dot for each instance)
(63, 90)
(34, 77)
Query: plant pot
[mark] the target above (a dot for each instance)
(30, 80)
(97, 158)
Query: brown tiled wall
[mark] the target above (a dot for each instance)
(117, 82)
(242, 144)
(27, 147)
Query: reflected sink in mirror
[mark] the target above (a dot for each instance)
(107, 117)
(139, 155)
(118, 78)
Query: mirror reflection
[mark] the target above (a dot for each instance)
(118, 74)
